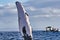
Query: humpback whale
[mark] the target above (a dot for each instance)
(24, 23)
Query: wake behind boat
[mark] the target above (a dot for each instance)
(24, 24)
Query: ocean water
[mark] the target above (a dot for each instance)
(37, 35)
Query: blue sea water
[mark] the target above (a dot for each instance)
(37, 35)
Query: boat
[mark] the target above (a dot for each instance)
(49, 28)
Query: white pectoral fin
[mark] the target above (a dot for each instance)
(24, 18)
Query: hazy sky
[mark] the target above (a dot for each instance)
(42, 13)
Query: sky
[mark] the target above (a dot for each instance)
(42, 13)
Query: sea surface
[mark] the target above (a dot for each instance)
(37, 35)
